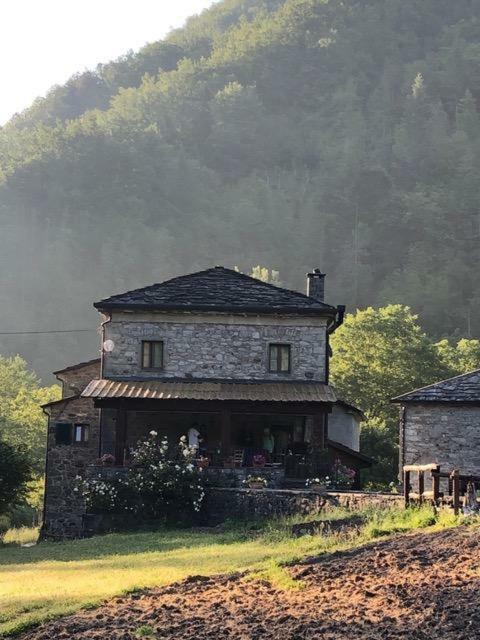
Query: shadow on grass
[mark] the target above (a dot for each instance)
(137, 542)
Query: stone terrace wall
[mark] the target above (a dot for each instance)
(446, 434)
(249, 504)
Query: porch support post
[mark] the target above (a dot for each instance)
(120, 435)
(225, 431)
(318, 441)
(318, 462)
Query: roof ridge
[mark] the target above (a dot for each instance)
(216, 279)
(435, 384)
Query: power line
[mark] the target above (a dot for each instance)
(27, 333)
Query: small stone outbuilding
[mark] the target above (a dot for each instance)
(440, 424)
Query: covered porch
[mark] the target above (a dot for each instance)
(279, 428)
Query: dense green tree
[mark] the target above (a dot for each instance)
(15, 474)
(22, 422)
(294, 133)
(379, 354)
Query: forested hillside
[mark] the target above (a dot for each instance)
(297, 133)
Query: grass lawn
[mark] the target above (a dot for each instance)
(51, 579)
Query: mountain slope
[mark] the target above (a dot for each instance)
(293, 134)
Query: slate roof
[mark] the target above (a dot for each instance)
(462, 388)
(79, 365)
(237, 391)
(217, 289)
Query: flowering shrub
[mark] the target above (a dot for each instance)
(323, 480)
(158, 484)
(343, 476)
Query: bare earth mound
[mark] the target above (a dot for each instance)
(417, 587)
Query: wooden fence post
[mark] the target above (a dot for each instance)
(406, 487)
(456, 491)
(421, 485)
(436, 483)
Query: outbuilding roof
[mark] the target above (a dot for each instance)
(79, 365)
(217, 289)
(462, 388)
(251, 391)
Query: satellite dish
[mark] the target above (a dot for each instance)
(108, 346)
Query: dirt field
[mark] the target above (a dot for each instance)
(414, 587)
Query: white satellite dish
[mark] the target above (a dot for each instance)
(108, 346)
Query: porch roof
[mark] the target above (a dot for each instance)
(251, 391)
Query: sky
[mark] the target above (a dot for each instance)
(44, 42)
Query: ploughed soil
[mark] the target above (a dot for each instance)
(419, 586)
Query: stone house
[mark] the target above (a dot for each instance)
(233, 358)
(440, 423)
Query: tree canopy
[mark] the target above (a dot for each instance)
(381, 353)
(291, 133)
(23, 424)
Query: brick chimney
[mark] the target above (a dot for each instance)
(316, 285)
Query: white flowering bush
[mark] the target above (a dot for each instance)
(161, 483)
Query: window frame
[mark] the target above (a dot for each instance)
(84, 433)
(150, 366)
(279, 346)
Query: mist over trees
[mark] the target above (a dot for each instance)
(292, 134)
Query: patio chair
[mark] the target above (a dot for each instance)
(238, 455)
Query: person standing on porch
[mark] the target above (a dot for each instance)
(268, 443)
(194, 438)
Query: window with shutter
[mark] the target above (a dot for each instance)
(63, 433)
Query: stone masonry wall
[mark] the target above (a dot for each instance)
(249, 504)
(64, 509)
(254, 504)
(229, 348)
(446, 434)
(76, 379)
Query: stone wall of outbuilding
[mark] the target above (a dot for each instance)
(64, 508)
(441, 433)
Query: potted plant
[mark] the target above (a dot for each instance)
(255, 482)
(202, 462)
(318, 485)
(258, 460)
(107, 460)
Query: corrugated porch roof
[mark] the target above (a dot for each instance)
(254, 392)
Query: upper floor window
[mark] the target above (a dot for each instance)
(152, 354)
(279, 358)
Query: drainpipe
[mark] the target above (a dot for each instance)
(108, 318)
(46, 472)
(335, 323)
